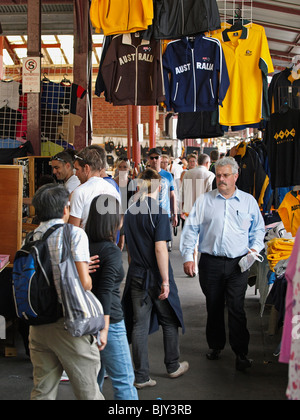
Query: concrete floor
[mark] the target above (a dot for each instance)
(206, 380)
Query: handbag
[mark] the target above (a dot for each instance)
(83, 313)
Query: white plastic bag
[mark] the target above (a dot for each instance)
(248, 260)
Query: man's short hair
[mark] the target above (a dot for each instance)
(49, 202)
(214, 155)
(203, 159)
(90, 157)
(228, 160)
(65, 157)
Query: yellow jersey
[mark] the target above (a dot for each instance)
(121, 16)
(289, 212)
(248, 62)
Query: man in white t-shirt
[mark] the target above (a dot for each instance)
(195, 182)
(63, 169)
(88, 165)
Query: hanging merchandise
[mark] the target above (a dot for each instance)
(195, 74)
(10, 94)
(284, 90)
(289, 212)
(252, 177)
(198, 125)
(176, 18)
(282, 138)
(132, 71)
(249, 61)
(119, 16)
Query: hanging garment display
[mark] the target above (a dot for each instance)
(195, 74)
(289, 212)
(284, 90)
(8, 122)
(197, 125)
(248, 60)
(119, 16)
(10, 94)
(176, 18)
(282, 138)
(132, 71)
(252, 177)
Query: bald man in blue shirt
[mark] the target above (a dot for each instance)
(228, 222)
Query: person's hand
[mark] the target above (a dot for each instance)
(94, 263)
(165, 290)
(174, 220)
(189, 268)
(103, 339)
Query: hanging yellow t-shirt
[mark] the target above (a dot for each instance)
(248, 62)
(120, 16)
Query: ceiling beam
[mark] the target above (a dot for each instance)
(275, 8)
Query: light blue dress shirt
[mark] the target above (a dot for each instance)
(225, 227)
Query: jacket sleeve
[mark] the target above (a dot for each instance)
(224, 81)
(161, 92)
(109, 69)
(167, 70)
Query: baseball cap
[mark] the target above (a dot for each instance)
(154, 150)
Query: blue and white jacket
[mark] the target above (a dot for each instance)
(195, 74)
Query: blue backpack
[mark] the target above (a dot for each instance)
(32, 280)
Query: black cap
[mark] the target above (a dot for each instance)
(155, 150)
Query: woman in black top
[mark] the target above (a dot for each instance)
(103, 223)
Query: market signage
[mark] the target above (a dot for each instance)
(31, 75)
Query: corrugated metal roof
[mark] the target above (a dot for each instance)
(280, 18)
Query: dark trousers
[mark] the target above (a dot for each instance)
(221, 281)
(142, 308)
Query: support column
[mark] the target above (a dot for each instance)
(129, 150)
(34, 24)
(152, 127)
(136, 147)
(1, 57)
(82, 71)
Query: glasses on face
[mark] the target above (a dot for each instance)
(223, 175)
(154, 157)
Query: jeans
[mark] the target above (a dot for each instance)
(221, 281)
(116, 361)
(142, 309)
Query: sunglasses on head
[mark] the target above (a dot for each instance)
(154, 157)
(57, 158)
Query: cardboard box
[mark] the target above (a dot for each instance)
(4, 259)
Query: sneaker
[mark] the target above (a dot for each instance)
(183, 367)
(64, 377)
(150, 382)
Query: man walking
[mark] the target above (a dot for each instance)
(228, 222)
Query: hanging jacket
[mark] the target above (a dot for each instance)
(176, 18)
(132, 71)
(252, 177)
(195, 74)
(121, 16)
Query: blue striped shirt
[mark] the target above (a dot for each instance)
(226, 227)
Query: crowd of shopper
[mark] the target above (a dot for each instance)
(222, 223)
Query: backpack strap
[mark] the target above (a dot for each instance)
(51, 230)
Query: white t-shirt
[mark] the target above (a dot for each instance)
(72, 183)
(83, 196)
(195, 182)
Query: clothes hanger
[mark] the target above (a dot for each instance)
(66, 81)
(238, 24)
(45, 78)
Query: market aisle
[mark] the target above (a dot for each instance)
(206, 380)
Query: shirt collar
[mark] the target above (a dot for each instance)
(244, 34)
(126, 39)
(236, 195)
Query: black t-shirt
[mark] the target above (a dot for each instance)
(107, 278)
(283, 144)
(145, 223)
